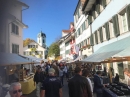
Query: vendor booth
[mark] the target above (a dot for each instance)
(12, 70)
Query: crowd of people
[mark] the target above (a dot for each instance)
(49, 81)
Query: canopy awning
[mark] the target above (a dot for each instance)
(124, 53)
(109, 50)
(32, 58)
(12, 59)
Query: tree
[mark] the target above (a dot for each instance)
(27, 41)
(54, 50)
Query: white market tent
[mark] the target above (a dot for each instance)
(12, 59)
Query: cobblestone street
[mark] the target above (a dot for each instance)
(65, 91)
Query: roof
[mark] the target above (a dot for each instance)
(23, 4)
(35, 42)
(108, 51)
(66, 31)
(88, 5)
(12, 59)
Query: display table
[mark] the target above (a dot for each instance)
(28, 86)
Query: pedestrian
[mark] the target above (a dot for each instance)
(15, 90)
(79, 85)
(86, 74)
(38, 79)
(66, 72)
(61, 75)
(98, 84)
(116, 79)
(51, 87)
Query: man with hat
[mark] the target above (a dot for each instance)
(51, 87)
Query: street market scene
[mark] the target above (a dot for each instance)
(69, 48)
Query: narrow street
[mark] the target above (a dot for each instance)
(65, 91)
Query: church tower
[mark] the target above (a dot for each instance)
(41, 39)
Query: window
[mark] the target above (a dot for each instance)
(30, 53)
(15, 29)
(39, 40)
(104, 33)
(111, 30)
(28, 46)
(67, 51)
(36, 46)
(120, 70)
(15, 48)
(124, 23)
(24, 53)
(98, 35)
(78, 31)
(43, 41)
(67, 43)
(36, 52)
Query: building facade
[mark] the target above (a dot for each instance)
(110, 24)
(11, 36)
(83, 30)
(65, 43)
(34, 49)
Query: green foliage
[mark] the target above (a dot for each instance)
(54, 50)
(27, 41)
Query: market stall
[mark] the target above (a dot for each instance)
(12, 70)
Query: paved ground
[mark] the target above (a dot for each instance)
(65, 91)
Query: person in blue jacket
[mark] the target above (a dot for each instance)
(98, 84)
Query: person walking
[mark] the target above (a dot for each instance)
(61, 75)
(86, 74)
(38, 79)
(79, 85)
(98, 84)
(51, 87)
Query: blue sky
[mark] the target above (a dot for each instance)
(50, 16)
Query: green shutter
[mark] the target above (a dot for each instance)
(116, 25)
(107, 30)
(101, 34)
(75, 34)
(104, 3)
(91, 40)
(96, 37)
(128, 16)
(89, 19)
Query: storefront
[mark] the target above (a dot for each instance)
(12, 69)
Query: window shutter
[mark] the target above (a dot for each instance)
(96, 37)
(86, 41)
(98, 6)
(107, 31)
(91, 40)
(116, 25)
(128, 16)
(89, 19)
(104, 3)
(101, 34)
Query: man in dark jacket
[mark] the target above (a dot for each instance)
(78, 85)
(38, 79)
(98, 84)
